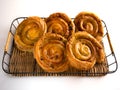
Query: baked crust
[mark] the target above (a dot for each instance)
(82, 50)
(28, 32)
(50, 53)
(89, 22)
(61, 24)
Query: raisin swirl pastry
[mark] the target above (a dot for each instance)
(49, 53)
(82, 50)
(28, 32)
(61, 24)
(89, 22)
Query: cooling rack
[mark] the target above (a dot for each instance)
(19, 63)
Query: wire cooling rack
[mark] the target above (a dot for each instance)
(19, 63)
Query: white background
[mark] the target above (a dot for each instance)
(108, 10)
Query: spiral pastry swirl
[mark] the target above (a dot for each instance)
(81, 50)
(49, 52)
(61, 24)
(89, 22)
(28, 32)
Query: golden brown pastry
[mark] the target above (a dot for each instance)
(61, 24)
(81, 50)
(89, 22)
(50, 54)
(100, 55)
(28, 32)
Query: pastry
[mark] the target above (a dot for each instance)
(49, 52)
(81, 50)
(100, 55)
(61, 24)
(89, 22)
(28, 32)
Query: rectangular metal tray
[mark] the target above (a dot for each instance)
(18, 63)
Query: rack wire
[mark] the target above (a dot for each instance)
(13, 62)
